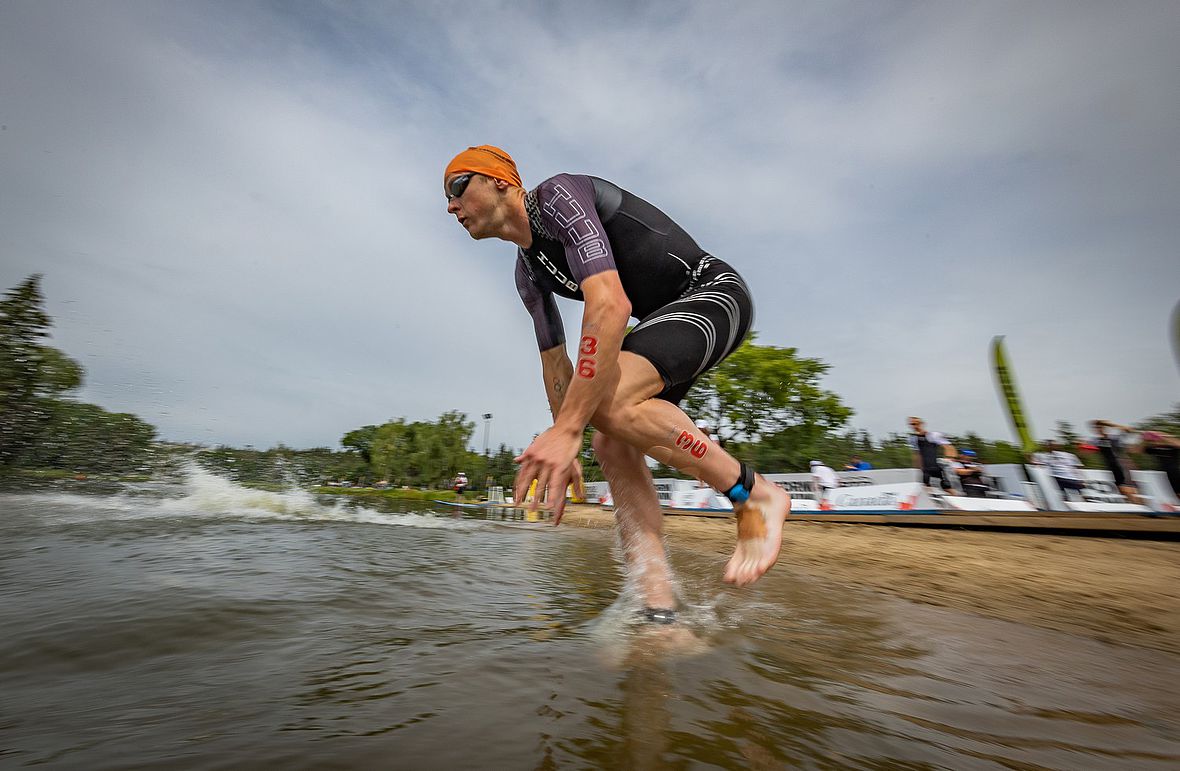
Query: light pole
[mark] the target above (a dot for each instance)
(487, 457)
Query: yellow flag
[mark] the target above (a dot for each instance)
(1010, 397)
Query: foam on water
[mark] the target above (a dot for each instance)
(623, 634)
(205, 494)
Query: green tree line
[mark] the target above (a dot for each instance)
(765, 403)
(41, 425)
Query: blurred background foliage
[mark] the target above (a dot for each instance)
(765, 404)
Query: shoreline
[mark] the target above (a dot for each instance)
(1118, 591)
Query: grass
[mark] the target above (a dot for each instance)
(58, 473)
(393, 493)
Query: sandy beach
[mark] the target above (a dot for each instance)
(1124, 592)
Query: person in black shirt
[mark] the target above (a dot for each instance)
(589, 240)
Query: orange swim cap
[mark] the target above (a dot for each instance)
(487, 160)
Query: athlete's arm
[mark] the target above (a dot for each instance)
(604, 323)
(552, 457)
(567, 210)
(542, 308)
(557, 370)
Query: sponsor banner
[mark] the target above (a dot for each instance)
(597, 492)
(1099, 494)
(962, 503)
(898, 497)
(1155, 487)
(664, 488)
(702, 497)
(799, 486)
(898, 490)
(1008, 478)
(1107, 508)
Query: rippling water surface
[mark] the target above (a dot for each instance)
(209, 626)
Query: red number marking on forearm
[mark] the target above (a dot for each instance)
(587, 366)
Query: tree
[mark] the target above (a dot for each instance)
(421, 453)
(770, 399)
(360, 440)
(390, 450)
(502, 467)
(1165, 422)
(85, 437)
(31, 374)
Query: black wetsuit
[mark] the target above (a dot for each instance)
(694, 309)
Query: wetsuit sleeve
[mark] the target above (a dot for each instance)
(567, 210)
(542, 307)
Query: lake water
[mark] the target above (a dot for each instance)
(203, 625)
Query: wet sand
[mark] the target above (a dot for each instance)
(1123, 592)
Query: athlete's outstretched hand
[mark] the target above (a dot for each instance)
(552, 460)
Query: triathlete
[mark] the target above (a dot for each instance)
(587, 239)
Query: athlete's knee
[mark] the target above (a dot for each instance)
(614, 419)
(607, 447)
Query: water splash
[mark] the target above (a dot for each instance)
(204, 494)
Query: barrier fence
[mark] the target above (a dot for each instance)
(1011, 487)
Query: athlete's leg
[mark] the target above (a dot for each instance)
(1131, 493)
(661, 429)
(637, 511)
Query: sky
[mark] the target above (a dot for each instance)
(238, 211)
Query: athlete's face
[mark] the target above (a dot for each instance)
(472, 198)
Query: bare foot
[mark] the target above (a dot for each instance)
(760, 533)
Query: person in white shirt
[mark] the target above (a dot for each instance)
(823, 479)
(1065, 468)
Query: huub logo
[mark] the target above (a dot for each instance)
(557, 274)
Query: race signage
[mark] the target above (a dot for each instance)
(1100, 492)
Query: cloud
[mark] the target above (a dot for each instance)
(238, 209)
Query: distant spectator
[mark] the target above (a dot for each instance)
(460, 484)
(929, 447)
(1064, 467)
(1165, 451)
(823, 479)
(856, 464)
(970, 475)
(1111, 446)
